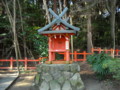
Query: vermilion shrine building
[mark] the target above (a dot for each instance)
(58, 32)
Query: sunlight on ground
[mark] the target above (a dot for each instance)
(86, 72)
(24, 81)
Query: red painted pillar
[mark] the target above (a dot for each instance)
(50, 53)
(84, 56)
(25, 63)
(11, 63)
(67, 49)
(53, 56)
(50, 56)
(67, 56)
(75, 56)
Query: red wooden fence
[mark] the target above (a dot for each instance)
(77, 57)
(25, 61)
(107, 51)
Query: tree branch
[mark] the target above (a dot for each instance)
(108, 6)
(60, 6)
(8, 12)
(47, 13)
(92, 5)
(87, 7)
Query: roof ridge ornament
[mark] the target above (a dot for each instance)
(58, 20)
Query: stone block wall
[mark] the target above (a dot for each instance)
(58, 77)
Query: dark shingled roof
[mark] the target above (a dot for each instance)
(58, 20)
(57, 32)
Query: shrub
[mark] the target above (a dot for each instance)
(114, 67)
(99, 64)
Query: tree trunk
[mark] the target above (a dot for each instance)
(24, 38)
(112, 23)
(55, 6)
(12, 20)
(60, 6)
(72, 49)
(89, 34)
(64, 5)
(15, 35)
(47, 13)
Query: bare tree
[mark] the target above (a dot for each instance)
(72, 49)
(60, 6)
(46, 9)
(89, 33)
(64, 5)
(86, 11)
(15, 35)
(111, 7)
(12, 20)
(22, 27)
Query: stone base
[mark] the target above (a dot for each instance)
(58, 77)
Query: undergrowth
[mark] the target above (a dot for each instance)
(99, 64)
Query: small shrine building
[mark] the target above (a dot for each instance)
(58, 33)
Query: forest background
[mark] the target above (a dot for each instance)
(98, 20)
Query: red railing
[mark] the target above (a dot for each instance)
(25, 64)
(107, 51)
(76, 57)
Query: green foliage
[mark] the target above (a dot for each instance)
(43, 60)
(101, 32)
(38, 43)
(34, 18)
(98, 62)
(114, 67)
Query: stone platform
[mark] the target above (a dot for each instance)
(58, 77)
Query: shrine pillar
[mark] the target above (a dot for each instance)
(49, 52)
(67, 49)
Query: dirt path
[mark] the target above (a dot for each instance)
(6, 78)
(92, 83)
(24, 82)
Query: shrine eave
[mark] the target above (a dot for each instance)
(58, 31)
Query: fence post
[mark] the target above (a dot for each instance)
(92, 50)
(64, 56)
(84, 56)
(25, 63)
(40, 60)
(75, 56)
(99, 50)
(106, 51)
(111, 51)
(11, 63)
(116, 52)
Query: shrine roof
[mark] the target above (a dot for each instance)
(58, 31)
(57, 21)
